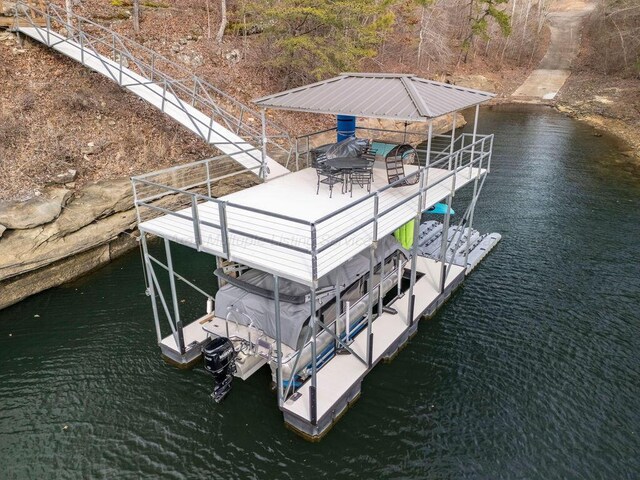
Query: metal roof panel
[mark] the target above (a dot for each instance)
(376, 95)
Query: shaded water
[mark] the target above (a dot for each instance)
(531, 370)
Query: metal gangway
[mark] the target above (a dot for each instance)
(219, 119)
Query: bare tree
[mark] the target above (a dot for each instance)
(68, 6)
(208, 8)
(615, 37)
(136, 15)
(223, 21)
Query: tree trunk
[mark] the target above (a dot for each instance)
(223, 21)
(208, 20)
(136, 16)
(420, 43)
(69, 9)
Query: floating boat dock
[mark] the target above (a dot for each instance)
(316, 281)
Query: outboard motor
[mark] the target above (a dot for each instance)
(219, 361)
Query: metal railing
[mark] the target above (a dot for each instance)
(441, 144)
(310, 247)
(129, 63)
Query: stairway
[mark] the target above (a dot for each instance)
(214, 116)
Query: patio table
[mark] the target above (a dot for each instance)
(347, 163)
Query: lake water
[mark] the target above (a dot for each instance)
(531, 370)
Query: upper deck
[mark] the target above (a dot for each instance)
(283, 227)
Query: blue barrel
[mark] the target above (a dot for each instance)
(346, 127)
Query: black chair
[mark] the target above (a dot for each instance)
(363, 176)
(395, 161)
(328, 176)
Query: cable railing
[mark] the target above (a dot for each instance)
(305, 249)
(131, 64)
(441, 144)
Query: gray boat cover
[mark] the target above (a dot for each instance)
(260, 311)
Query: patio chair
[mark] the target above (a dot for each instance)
(395, 160)
(327, 176)
(363, 176)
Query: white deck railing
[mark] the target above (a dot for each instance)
(310, 249)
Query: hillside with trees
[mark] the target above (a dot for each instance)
(250, 48)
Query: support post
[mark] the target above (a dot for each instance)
(372, 261)
(208, 179)
(429, 138)
(174, 298)
(120, 75)
(164, 87)
(400, 267)
(336, 326)
(48, 18)
(444, 243)
(151, 290)
(81, 38)
(197, 237)
(263, 168)
(473, 207)
(313, 405)
(224, 235)
(473, 141)
(279, 384)
(380, 293)
(414, 250)
(453, 137)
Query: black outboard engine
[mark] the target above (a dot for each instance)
(219, 361)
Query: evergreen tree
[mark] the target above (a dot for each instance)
(480, 12)
(314, 39)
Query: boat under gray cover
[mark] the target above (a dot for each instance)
(250, 308)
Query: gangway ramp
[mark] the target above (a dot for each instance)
(107, 53)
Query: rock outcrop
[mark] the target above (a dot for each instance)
(476, 82)
(35, 211)
(57, 237)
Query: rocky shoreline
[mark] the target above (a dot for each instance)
(628, 135)
(60, 235)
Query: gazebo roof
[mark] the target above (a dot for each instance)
(376, 95)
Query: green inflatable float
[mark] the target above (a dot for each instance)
(404, 234)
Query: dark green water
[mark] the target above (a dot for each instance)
(531, 370)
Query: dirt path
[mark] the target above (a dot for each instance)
(565, 22)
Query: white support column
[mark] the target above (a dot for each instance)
(151, 290)
(174, 298)
(473, 140)
(313, 403)
(473, 207)
(263, 168)
(429, 138)
(414, 250)
(372, 262)
(475, 189)
(444, 244)
(279, 384)
(336, 323)
(453, 137)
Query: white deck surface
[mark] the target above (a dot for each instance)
(294, 195)
(343, 371)
(193, 332)
(191, 118)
